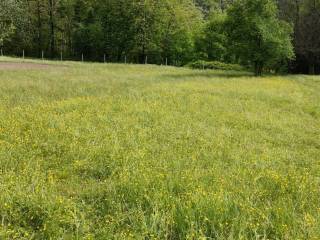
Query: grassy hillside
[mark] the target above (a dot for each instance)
(105, 151)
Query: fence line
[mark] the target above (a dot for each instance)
(164, 61)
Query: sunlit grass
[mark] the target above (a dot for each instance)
(107, 151)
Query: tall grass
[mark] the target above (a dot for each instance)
(104, 151)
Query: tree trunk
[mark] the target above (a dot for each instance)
(258, 66)
(39, 29)
(142, 55)
(311, 68)
(52, 30)
(222, 5)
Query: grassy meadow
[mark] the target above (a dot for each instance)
(111, 151)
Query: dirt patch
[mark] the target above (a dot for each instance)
(24, 66)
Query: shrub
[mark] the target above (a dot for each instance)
(200, 64)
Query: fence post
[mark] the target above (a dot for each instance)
(23, 54)
(42, 55)
(146, 61)
(82, 57)
(166, 61)
(61, 56)
(1, 52)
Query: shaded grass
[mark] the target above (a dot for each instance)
(107, 151)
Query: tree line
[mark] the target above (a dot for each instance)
(266, 35)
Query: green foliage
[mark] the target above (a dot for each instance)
(181, 22)
(211, 43)
(215, 65)
(108, 151)
(135, 29)
(11, 15)
(209, 6)
(175, 32)
(256, 34)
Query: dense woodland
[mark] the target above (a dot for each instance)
(266, 35)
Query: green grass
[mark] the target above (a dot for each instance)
(106, 151)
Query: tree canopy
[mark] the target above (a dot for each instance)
(256, 34)
(260, 34)
(10, 17)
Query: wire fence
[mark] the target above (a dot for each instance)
(126, 59)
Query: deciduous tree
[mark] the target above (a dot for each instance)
(256, 34)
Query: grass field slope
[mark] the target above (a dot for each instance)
(107, 151)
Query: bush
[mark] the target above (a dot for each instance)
(200, 64)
